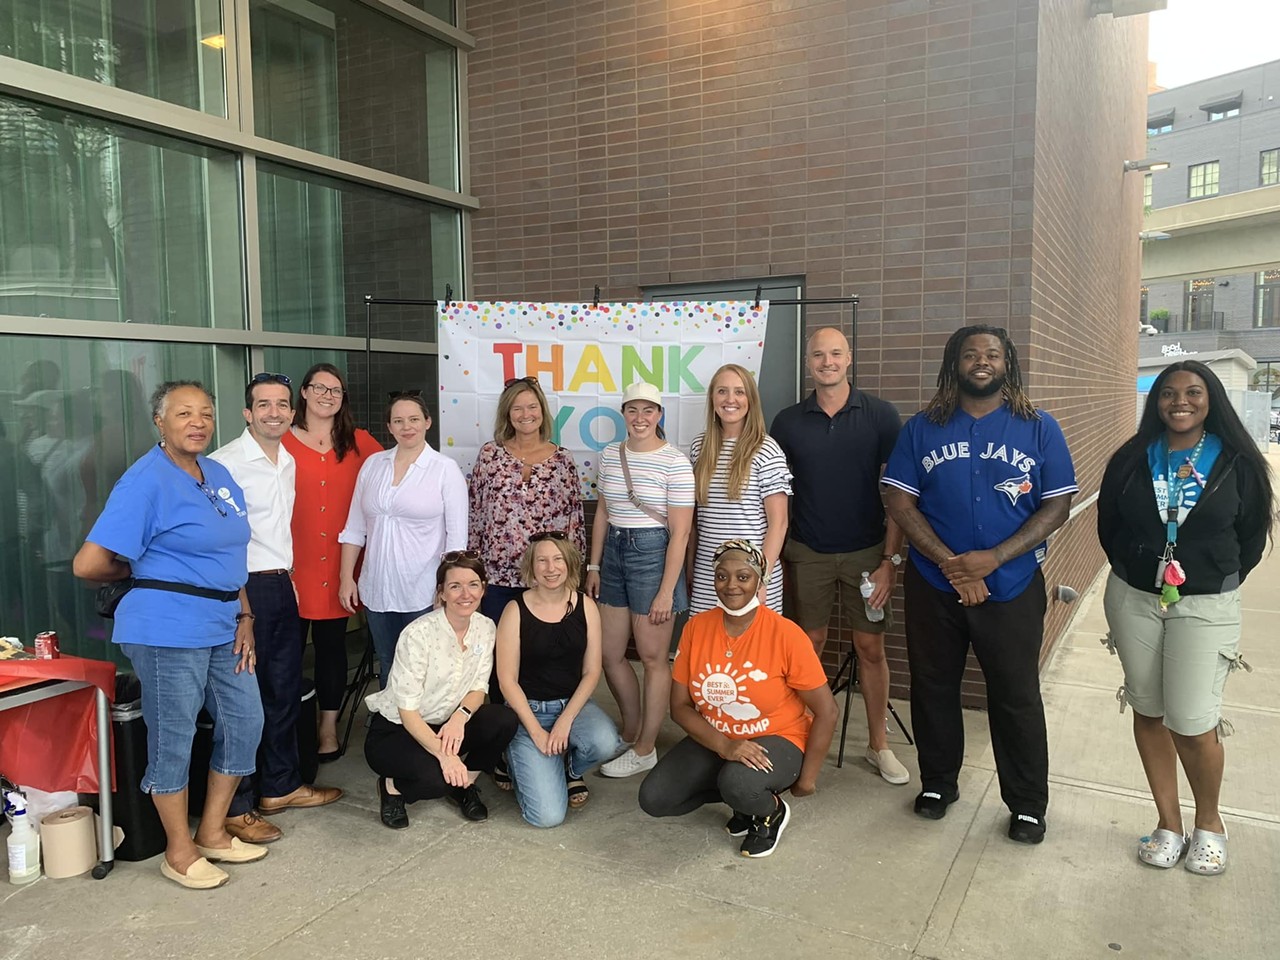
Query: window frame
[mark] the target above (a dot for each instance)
(1203, 169)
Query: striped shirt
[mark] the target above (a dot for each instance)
(722, 519)
(662, 478)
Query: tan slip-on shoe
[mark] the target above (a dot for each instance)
(201, 875)
(252, 828)
(238, 852)
(304, 796)
(889, 767)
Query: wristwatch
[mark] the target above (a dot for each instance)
(895, 558)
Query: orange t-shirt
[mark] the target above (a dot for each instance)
(750, 692)
(324, 488)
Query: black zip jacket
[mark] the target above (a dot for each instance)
(1220, 542)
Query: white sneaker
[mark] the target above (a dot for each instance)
(891, 769)
(630, 763)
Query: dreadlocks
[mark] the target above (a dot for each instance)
(943, 404)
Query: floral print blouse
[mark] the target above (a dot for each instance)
(506, 510)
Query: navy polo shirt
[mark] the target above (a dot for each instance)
(835, 466)
(977, 481)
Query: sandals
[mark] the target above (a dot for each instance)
(578, 792)
(1163, 849)
(1207, 852)
(502, 776)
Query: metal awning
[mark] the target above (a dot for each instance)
(1224, 102)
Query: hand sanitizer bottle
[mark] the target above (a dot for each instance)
(24, 844)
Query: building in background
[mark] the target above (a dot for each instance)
(1212, 280)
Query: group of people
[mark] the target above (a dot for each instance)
(492, 633)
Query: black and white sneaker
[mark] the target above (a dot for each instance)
(1024, 828)
(762, 838)
(738, 824)
(932, 805)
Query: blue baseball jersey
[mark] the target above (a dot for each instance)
(171, 528)
(977, 481)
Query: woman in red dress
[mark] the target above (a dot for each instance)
(329, 452)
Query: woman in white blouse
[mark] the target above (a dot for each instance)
(432, 734)
(409, 507)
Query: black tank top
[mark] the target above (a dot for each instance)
(551, 653)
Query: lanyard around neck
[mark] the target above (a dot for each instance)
(1186, 471)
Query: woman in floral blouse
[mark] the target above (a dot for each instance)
(521, 483)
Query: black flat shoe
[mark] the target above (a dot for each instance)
(329, 756)
(469, 802)
(393, 812)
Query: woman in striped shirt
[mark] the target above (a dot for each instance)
(741, 483)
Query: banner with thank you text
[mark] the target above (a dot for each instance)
(585, 356)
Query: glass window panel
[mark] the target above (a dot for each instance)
(1266, 311)
(1269, 167)
(1203, 180)
(74, 414)
(168, 49)
(437, 8)
(99, 221)
(368, 396)
(326, 244)
(335, 77)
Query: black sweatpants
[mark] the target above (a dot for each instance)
(1006, 638)
(392, 752)
(689, 775)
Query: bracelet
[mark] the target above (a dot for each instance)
(245, 616)
(593, 568)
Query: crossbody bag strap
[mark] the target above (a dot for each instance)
(631, 493)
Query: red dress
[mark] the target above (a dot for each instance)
(324, 489)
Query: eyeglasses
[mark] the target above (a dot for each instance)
(531, 381)
(275, 378)
(320, 390)
(453, 556)
(403, 394)
(549, 535)
(213, 497)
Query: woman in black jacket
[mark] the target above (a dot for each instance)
(1184, 512)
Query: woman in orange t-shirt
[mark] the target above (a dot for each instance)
(328, 451)
(743, 685)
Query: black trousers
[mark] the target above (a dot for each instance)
(392, 752)
(329, 638)
(1006, 638)
(279, 673)
(689, 775)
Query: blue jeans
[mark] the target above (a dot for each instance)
(540, 780)
(384, 630)
(631, 569)
(176, 682)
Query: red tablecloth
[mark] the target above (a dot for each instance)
(53, 744)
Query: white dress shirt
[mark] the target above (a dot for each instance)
(268, 494)
(405, 529)
(432, 672)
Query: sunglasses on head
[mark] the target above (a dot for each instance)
(549, 535)
(270, 378)
(531, 381)
(453, 556)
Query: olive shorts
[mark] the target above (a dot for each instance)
(815, 578)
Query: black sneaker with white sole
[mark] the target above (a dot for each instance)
(762, 838)
(738, 824)
(1024, 828)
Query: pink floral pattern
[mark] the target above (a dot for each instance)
(506, 511)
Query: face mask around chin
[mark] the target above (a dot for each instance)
(744, 609)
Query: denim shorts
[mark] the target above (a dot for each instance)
(176, 682)
(631, 570)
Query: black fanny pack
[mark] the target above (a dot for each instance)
(110, 594)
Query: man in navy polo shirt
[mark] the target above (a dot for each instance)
(837, 441)
(978, 480)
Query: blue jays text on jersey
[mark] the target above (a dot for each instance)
(977, 480)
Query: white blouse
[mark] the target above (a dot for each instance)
(432, 672)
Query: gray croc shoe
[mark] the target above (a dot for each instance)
(1163, 848)
(1207, 853)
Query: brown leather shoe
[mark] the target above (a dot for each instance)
(304, 796)
(252, 828)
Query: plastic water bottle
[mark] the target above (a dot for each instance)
(867, 588)
(24, 845)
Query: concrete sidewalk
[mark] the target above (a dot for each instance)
(857, 875)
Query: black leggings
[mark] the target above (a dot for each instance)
(329, 637)
(392, 752)
(689, 775)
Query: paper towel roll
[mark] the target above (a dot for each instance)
(69, 841)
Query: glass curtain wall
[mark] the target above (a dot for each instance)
(131, 254)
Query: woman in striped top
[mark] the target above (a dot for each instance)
(636, 572)
(741, 483)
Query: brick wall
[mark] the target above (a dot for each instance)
(887, 148)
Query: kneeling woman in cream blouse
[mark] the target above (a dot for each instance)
(432, 734)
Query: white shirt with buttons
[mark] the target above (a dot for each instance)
(268, 493)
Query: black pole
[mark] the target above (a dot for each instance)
(368, 357)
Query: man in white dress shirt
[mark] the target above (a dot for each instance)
(265, 471)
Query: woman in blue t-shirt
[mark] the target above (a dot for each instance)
(176, 523)
(1184, 511)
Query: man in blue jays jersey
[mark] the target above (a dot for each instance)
(978, 480)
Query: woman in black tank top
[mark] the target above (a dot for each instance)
(548, 658)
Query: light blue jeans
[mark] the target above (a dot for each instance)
(540, 780)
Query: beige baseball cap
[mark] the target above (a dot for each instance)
(642, 390)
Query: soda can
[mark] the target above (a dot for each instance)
(47, 645)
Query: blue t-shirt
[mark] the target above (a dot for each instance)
(168, 528)
(1164, 462)
(977, 481)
